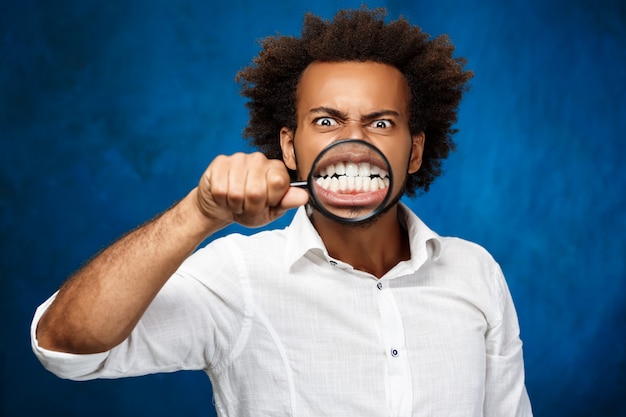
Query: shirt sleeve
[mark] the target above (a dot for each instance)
(192, 324)
(505, 390)
(63, 365)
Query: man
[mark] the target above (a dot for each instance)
(322, 318)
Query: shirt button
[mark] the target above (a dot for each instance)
(380, 285)
(394, 352)
(332, 263)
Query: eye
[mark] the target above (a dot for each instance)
(326, 122)
(382, 124)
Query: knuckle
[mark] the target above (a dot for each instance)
(259, 156)
(235, 197)
(256, 194)
(277, 181)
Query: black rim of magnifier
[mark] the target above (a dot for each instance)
(326, 212)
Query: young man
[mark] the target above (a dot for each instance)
(322, 318)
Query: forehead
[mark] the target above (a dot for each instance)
(352, 87)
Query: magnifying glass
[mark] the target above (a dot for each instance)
(350, 181)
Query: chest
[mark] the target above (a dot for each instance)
(349, 325)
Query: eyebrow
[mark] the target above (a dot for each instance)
(342, 115)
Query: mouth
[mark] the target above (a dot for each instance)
(353, 183)
(352, 177)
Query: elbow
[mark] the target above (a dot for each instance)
(61, 336)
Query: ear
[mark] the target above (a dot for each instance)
(417, 150)
(286, 144)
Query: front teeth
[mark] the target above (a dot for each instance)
(350, 177)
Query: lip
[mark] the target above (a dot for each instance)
(370, 199)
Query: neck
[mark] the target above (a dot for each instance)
(374, 248)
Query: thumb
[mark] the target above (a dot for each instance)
(294, 197)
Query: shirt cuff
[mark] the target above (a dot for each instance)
(64, 365)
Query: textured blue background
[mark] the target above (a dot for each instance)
(110, 110)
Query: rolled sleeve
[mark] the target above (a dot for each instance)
(178, 331)
(64, 365)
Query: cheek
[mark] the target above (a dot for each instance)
(303, 161)
(401, 168)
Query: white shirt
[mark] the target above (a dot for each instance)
(282, 329)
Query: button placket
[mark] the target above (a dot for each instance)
(398, 374)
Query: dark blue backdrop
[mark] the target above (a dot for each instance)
(109, 112)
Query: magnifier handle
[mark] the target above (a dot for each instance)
(299, 184)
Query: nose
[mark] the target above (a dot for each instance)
(354, 130)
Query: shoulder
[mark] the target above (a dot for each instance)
(267, 243)
(461, 249)
(468, 258)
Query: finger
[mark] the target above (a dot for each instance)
(277, 178)
(214, 184)
(237, 177)
(294, 197)
(256, 188)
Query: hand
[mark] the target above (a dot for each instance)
(248, 189)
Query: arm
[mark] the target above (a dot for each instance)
(505, 389)
(100, 305)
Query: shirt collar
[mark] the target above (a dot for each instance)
(425, 244)
(302, 238)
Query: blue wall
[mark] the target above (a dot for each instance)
(109, 112)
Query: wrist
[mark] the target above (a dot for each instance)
(196, 223)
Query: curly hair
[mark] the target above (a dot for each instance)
(435, 78)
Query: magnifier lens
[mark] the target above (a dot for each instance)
(350, 181)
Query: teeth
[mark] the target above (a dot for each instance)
(367, 181)
(352, 169)
(343, 183)
(350, 183)
(334, 184)
(358, 183)
(374, 184)
(350, 177)
(364, 169)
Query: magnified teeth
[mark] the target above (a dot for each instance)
(367, 181)
(353, 177)
(352, 169)
(364, 169)
(343, 182)
(374, 184)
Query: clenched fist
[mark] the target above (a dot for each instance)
(248, 189)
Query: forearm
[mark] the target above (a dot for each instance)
(101, 304)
